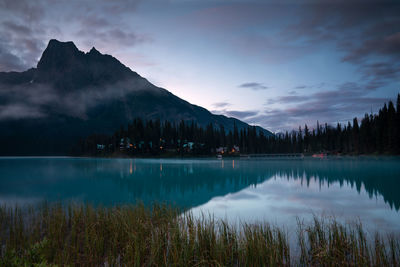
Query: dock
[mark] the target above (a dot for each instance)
(274, 156)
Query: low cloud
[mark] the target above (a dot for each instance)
(288, 99)
(39, 100)
(20, 111)
(309, 86)
(221, 104)
(239, 114)
(253, 86)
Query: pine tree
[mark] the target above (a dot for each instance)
(356, 135)
(391, 128)
(235, 134)
(397, 143)
(306, 138)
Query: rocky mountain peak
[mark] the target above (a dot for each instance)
(59, 55)
(94, 51)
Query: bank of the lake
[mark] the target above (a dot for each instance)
(54, 234)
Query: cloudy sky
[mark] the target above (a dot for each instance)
(274, 63)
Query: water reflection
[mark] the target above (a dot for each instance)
(191, 183)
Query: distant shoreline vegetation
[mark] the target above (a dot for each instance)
(82, 235)
(375, 134)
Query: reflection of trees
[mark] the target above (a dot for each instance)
(380, 177)
(192, 185)
(186, 183)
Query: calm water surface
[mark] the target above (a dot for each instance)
(238, 190)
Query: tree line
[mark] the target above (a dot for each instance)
(375, 133)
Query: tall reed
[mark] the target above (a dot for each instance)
(83, 235)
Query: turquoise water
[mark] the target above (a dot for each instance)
(235, 189)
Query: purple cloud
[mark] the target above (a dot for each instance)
(26, 26)
(221, 104)
(253, 86)
(241, 114)
(339, 105)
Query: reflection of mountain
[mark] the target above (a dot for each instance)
(120, 181)
(183, 182)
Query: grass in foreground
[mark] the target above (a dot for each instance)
(80, 235)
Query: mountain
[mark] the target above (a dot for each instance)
(71, 94)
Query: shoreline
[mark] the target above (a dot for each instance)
(309, 156)
(160, 235)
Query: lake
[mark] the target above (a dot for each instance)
(246, 190)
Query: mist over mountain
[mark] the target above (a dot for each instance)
(71, 94)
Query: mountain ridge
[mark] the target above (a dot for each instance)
(71, 94)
